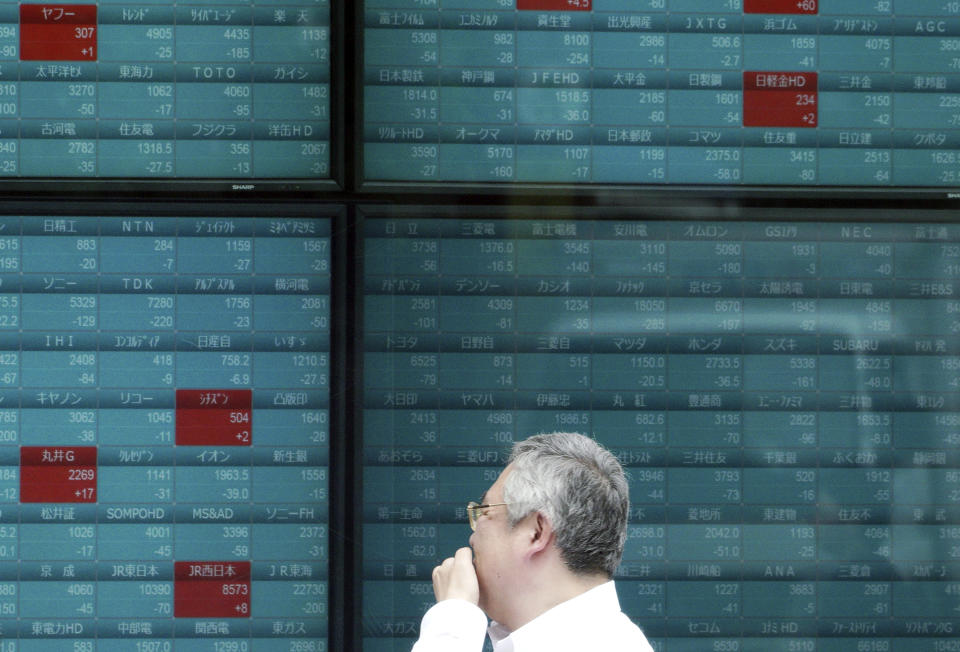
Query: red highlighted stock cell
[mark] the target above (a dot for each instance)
(211, 589)
(779, 99)
(57, 32)
(214, 417)
(780, 6)
(58, 474)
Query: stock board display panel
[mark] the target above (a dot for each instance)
(784, 396)
(734, 92)
(165, 90)
(163, 433)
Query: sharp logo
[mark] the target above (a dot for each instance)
(243, 186)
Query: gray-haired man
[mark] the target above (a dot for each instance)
(548, 535)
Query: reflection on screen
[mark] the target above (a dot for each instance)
(782, 393)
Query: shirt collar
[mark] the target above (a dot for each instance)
(602, 598)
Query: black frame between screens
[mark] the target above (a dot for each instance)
(347, 198)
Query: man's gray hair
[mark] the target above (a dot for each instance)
(581, 488)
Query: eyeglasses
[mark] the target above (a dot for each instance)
(474, 510)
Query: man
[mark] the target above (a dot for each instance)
(546, 541)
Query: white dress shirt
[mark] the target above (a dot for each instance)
(590, 621)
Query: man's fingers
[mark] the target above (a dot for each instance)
(464, 556)
(455, 577)
(440, 575)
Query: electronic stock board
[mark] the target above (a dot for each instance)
(164, 431)
(164, 386)
(165, 90)
(783, 393)
(780, 382)
(656, 92)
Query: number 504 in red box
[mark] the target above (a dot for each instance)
(214, 417)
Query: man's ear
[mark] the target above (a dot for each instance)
(541, 533)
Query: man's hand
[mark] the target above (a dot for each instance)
(456, 578)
